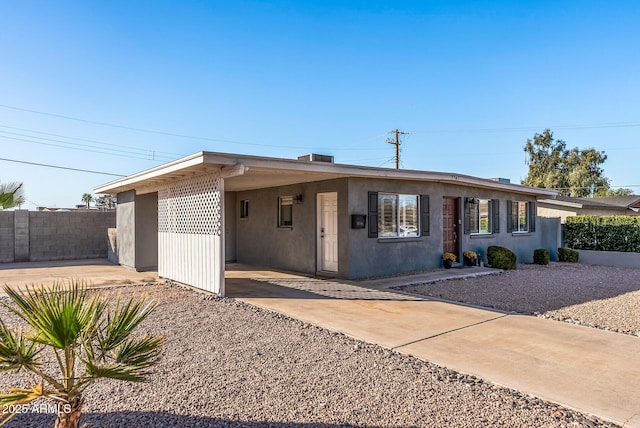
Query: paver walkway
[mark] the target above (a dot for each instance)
(594, 371)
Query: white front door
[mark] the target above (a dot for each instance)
(328, 232)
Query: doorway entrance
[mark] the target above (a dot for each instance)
(327, 235)
(450, 226)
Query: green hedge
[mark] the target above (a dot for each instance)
(541, 256)
(603, 233)
(501, 258)
(568, 255)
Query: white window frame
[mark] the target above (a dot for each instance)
(400, 216)
(477, 213)
(285, 201)
(518, 227)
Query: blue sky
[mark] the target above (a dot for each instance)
(470, 82)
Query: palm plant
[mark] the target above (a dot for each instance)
(11, 195)
(87, 199)
(86, 336)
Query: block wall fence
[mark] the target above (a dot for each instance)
(30, 236)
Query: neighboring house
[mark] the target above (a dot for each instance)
(564, 206)
(190, 216)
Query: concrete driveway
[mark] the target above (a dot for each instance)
(99, 272)
(590, 370)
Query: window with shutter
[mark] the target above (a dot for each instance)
(478, 216)
(373, 214)
(496, 215)
(393, 215)
(532, 216)
(424, 217)
(519, 217)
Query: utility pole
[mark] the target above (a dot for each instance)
(397, 143)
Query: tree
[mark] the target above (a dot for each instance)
(613, 192)
(573, 172)
(11, 195)
(106, 201)
(87, 199)
(85, 338)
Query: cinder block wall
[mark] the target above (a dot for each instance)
(69, 235)
(7, 243)
(40, 236)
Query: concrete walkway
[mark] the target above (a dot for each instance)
(590, 370)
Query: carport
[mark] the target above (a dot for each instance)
(173, 217)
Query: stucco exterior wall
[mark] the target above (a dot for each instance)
(610, 258)
(146, 231)
(261, 242)
(375, 256)
(126, 225)
(230, 221)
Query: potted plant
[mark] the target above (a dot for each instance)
(470, 258)
(448, 259)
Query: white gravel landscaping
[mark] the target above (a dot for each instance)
(228, 364)
(597, 296)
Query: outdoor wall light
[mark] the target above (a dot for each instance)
(297, 199)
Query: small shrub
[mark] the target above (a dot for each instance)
(568, 255)
(501, 258)
(541, 256)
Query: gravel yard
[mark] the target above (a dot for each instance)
(596, 296)
(227, 363)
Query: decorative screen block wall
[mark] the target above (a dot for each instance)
(190, 241)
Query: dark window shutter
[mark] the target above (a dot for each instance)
(495, 213)
(467, 216)
(509, 216)
(532, 216)
(373, 214)
(424, 218)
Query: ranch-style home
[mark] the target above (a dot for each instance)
(310, 215)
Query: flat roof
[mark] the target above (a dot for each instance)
(263, 172)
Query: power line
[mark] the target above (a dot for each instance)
(61, 167)
(73, 148)
(533, 128)
(170, 134)
(87, 140)
(149, 153)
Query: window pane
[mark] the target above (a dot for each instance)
(522, 217)
(387, 215)
(285, 211)
(483, 216)
(408, 215)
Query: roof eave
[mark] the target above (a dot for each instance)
(259, 162)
